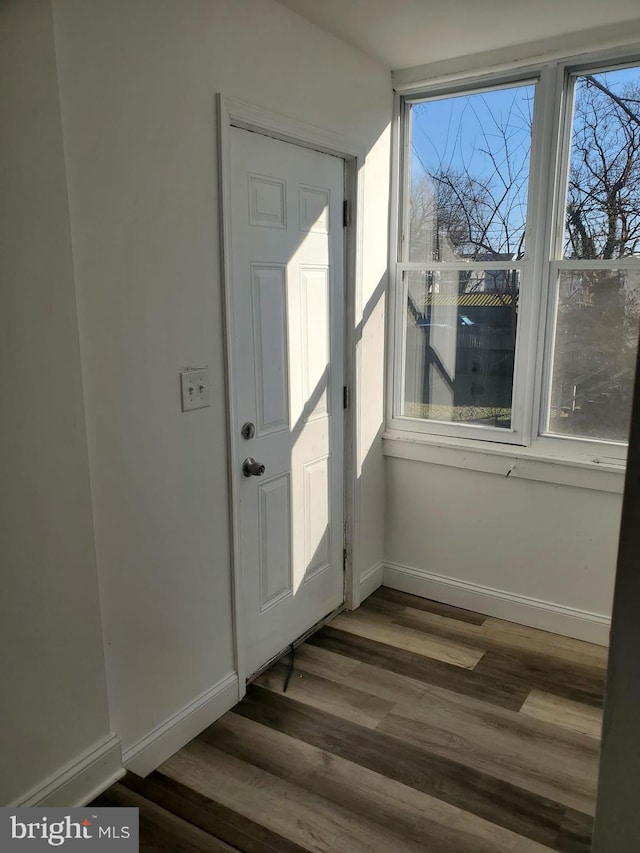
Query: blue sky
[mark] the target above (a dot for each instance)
(452, 132)
(455, 133)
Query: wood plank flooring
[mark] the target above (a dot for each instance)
(406, 726)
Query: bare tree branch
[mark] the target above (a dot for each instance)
(613, 96)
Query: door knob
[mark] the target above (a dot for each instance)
(251, 468)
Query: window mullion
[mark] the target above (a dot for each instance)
(549, 165)
(400, 337)
(405, 188)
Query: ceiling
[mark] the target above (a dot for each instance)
(404, 33)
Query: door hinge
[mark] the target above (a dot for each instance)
(345, 213)
(345, 397)
(344, 559)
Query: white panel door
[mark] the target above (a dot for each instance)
(288, 316)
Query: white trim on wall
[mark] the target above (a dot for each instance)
(557, 618)
(507, 461)
(171, 735)
(234, 113)
(81, 780)
(370, 581)
(248, 116)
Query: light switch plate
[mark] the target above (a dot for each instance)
(194, 387)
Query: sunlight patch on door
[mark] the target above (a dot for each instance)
(314, 209)
(317, 539)
(314, 293)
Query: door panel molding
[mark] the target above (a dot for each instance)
(266, 282)
(234, 113)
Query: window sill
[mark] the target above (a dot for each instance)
(529, 463)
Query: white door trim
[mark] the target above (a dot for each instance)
(233, 113)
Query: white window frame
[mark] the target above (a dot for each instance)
(548, 180)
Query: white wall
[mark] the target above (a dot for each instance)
(137, 83)
(52, 674)
(543, 541)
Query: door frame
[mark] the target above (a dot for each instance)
(233, 113)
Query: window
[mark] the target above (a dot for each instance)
(518, 275)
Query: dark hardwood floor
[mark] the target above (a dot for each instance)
(406, 726)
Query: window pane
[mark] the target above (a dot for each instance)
(460, 345)
(603, 201)
(595, 353)
(469, 174)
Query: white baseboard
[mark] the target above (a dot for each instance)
(150, 751)
(81, 780)
(371, 580)
(567, 621)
